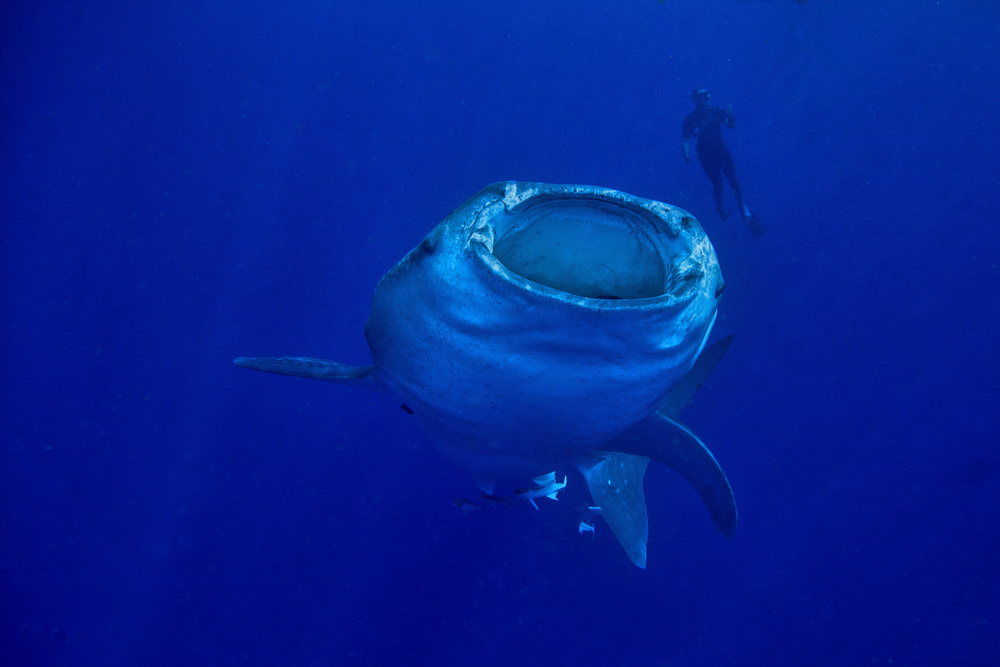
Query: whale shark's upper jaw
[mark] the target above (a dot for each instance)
(539, 321)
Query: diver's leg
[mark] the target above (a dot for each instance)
(714, 173)
(729, 169)
(717, 193)
(753, 223)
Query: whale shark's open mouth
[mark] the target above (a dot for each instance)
(587, 247)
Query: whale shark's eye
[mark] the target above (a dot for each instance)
(427, 246)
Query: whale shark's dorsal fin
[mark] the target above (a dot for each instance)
(315, 369)
(615, 483)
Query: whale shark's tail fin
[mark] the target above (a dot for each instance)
(615, 483)
(315, 369)
(671, 443)
(615, 479)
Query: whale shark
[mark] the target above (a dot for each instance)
(543, 328)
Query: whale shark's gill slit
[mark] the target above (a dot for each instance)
(683, 274)
(595, 250)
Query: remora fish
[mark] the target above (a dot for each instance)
(543, 326)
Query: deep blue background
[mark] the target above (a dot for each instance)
(187, 182)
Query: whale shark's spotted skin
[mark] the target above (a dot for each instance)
(541, 327)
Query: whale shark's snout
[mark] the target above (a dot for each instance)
(543, 326)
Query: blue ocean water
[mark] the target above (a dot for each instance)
(183, 183)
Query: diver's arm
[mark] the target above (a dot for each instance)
(686, 147)
(728, 118)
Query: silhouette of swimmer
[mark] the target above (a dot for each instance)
(705, 123)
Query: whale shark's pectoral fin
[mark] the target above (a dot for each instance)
(684, 391)
(615, 483)
(669, 442)
(315, 369)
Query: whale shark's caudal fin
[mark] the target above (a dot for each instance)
(615, 483)
(315, 369)
(669, 442)
(615, 479)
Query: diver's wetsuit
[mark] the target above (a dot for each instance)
(705, 122)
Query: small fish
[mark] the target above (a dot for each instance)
(547, 487)
(585, 520)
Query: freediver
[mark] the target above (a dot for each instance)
(705, 123)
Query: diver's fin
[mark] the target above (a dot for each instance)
(666, 440)
(755, 226)
(684, 390)
(615, 482)
(316, 369)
